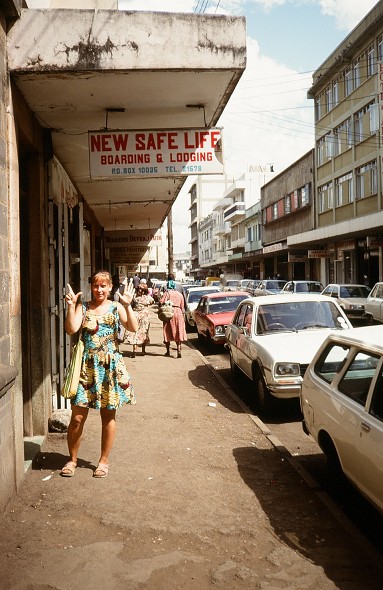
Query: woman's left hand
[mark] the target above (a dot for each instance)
(127, 297)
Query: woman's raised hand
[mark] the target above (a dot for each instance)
(127, 297)
(71, 297)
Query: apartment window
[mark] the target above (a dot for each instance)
(325, 197)
(356, 71)
(250, 234)
(305, 195)
(366, 180)
(365, 122)
(335, 93)
(358, 127)
(318, 109)
(287, 204)
(275, 211)
(380, 48)
(347, 82)
(328, 99)
(344, 190)
(370, 61)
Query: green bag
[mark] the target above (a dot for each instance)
(72, 375)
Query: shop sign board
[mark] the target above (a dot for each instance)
(131, 247)
(162, 152)
(318, 254)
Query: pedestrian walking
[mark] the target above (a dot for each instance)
(136, 280)
(105, 383)
(174, 330)
(141, 303)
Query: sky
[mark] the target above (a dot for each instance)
(268, 119)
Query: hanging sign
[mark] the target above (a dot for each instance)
(132, 154)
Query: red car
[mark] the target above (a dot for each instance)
(214, 312)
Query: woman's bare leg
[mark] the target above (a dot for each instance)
(108, 421)
(75, 428)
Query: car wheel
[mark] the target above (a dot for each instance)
(233, 366)
(264, 397)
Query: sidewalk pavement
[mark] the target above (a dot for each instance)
(197, 497)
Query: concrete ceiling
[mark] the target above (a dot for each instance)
(72, 95)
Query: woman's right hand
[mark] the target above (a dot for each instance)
(71, 297)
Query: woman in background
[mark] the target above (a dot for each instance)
(174, 330)
(141, 302)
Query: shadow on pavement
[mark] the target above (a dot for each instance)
(309, 528)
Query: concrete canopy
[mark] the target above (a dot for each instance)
(82, 70)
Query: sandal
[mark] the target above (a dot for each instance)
(68, 469)
(101, 470)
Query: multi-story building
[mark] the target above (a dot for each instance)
(287, 210)
(347, 91)
(253, 240)
(205, 192)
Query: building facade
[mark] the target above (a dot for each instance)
(346, 91)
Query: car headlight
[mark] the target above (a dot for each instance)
(356, 306)
(220, 330)
(287, 369)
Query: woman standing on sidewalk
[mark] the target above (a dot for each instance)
(105, 383)
(174, 330)
(141, 302)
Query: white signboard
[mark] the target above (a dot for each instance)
(135, 153)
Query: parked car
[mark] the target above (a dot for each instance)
(342, 406)
(251, 286)
(273, 339)
(192, 297)
(373, 308)
(303, 287)
(214, 312)
(351, 298)
(231, 285)
(269, 287)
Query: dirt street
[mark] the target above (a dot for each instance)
(196, 498)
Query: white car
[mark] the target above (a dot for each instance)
(192, 296)
(351, 298)
(342, 406)
(373, 308)
(273, 339)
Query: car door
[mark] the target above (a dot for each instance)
(244, 342)
(362, 448)
(198, 314)
(369, 452)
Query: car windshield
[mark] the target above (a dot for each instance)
(221, 304)
(300, 315)
(352, 291)
(195, 296)
(277, 285)
(309, 288)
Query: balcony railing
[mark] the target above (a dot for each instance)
(234, 212)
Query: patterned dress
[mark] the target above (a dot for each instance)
(104, 379)
(141, 305)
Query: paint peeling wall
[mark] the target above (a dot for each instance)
(119, 40)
